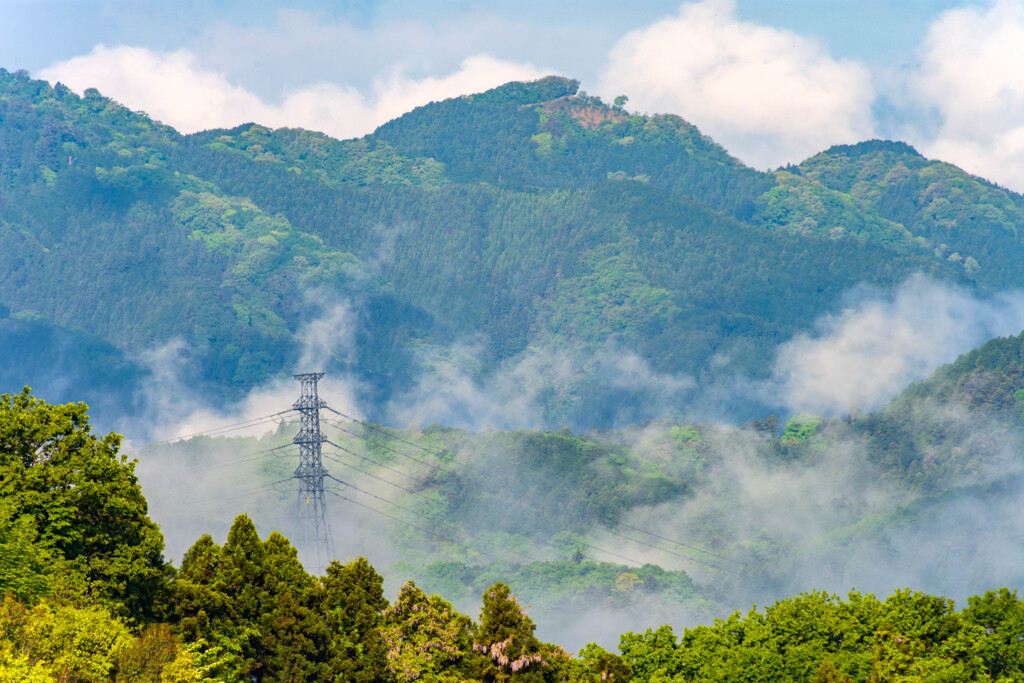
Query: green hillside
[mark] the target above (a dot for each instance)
(528, 221)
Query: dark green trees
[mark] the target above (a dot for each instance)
(353, 602)
(251, 608)
(254, 613)
(505, 638)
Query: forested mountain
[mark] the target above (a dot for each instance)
(485, 232)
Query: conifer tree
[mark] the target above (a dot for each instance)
(353, 605)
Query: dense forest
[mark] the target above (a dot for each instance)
(525, 229)
(89, 596)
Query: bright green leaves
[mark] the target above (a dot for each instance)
(800, 428)
(70, 644)
(24, 563)
(911, 636)
(55, 642)
(78, 500)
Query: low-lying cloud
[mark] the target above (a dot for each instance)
(858, 359)
(543, 388)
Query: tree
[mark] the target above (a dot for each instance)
(505, 637)
(1001, 614)
(602, 666)
(249, 610)
(25, 565)
(426, 639)
(68, 643)
(84, 501)
(828, 673)
(144, 661)
(651, 654)
(295, 637)
(353, 602)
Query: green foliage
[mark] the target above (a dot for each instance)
(250, 610)
(426, 639)
(946, 210)
(24, 563)
(67, 643)
(354, 605)
(928, 435)
(601, 665)
(815, 636)
(504, 636)
(800, 428)
(78, 501)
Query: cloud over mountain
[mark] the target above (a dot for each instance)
(769, 96)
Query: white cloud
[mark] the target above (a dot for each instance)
(769, 96)
(176, 89)
(971, 75)
(865, 355)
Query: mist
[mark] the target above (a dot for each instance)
(881, 341)
(757, 517)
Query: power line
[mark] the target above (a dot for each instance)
(367, 439)
(372, 476)
(383, 500)
(242, 494)
(466, 465)
(253, 422)
(374, 462)
(436, 532)
(249, 457)
(670, 540)
(392, 437)
(379, 512)
(666, 550)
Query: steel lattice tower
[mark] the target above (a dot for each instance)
(311, 510)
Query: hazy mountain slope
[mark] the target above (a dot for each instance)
(66, 366)
(923, 496)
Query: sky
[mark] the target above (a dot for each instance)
(774, 81)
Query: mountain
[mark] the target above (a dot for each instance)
(530, 226)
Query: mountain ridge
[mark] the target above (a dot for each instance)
(498, 217)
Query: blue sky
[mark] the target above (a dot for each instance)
(773, 80)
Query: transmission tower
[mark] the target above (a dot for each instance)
(311, 510)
